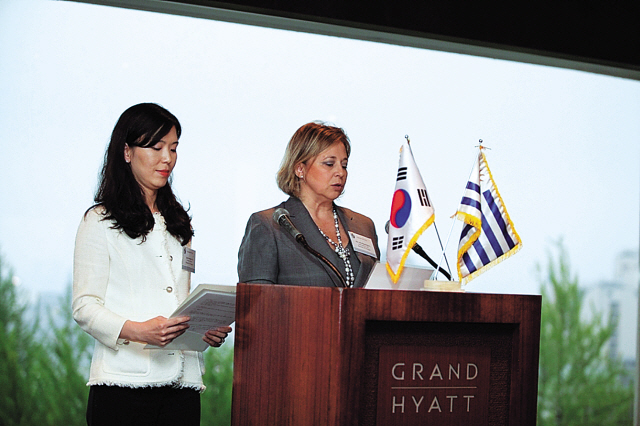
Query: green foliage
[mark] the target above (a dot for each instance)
(579, 383)
(64, 367)
(44, 367)
(18, 366)
(216, 400)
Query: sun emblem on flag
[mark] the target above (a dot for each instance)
(400, 208)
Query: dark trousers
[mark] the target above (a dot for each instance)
(114, 405)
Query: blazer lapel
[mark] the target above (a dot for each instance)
(302, 220)
(366, 262)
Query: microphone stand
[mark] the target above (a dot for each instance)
(281, 217)
(420, 252)
(320, 256)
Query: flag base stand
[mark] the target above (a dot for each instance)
(453, 286)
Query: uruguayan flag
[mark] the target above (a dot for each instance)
(488, 236)
(411, 213)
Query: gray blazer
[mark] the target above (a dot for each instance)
(268, 254)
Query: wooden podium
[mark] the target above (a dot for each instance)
(329, 356)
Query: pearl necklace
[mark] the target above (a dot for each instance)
(340, 250)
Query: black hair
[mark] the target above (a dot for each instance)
(141, 125)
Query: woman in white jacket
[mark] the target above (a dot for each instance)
(128, 277)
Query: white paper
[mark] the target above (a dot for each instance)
(209, 306)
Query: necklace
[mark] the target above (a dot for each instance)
(340, 250)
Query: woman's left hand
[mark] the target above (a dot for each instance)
(215, 337)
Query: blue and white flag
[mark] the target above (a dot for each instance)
(488, 236)
(411, 213)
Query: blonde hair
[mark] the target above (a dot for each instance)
(306, 143)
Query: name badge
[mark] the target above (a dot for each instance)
(362, 244)
(188, 259)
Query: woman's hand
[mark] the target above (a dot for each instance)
(215, 337)
(158, 331)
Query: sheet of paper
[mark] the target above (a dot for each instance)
(209, 306)
(211, 310)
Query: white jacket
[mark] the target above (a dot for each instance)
(117, 278)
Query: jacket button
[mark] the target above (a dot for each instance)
(170, 258)
(169, 289)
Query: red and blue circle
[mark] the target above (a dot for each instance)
(400, 208)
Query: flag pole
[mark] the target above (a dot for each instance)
(434, 224)
(475, 159)
(441, 248)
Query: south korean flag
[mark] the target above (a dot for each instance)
(411, 213)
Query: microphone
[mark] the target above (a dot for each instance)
(281, 217)
(417, 249)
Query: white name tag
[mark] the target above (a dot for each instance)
(362, 244)
(188, 259)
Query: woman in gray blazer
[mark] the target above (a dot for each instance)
(313, 173)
